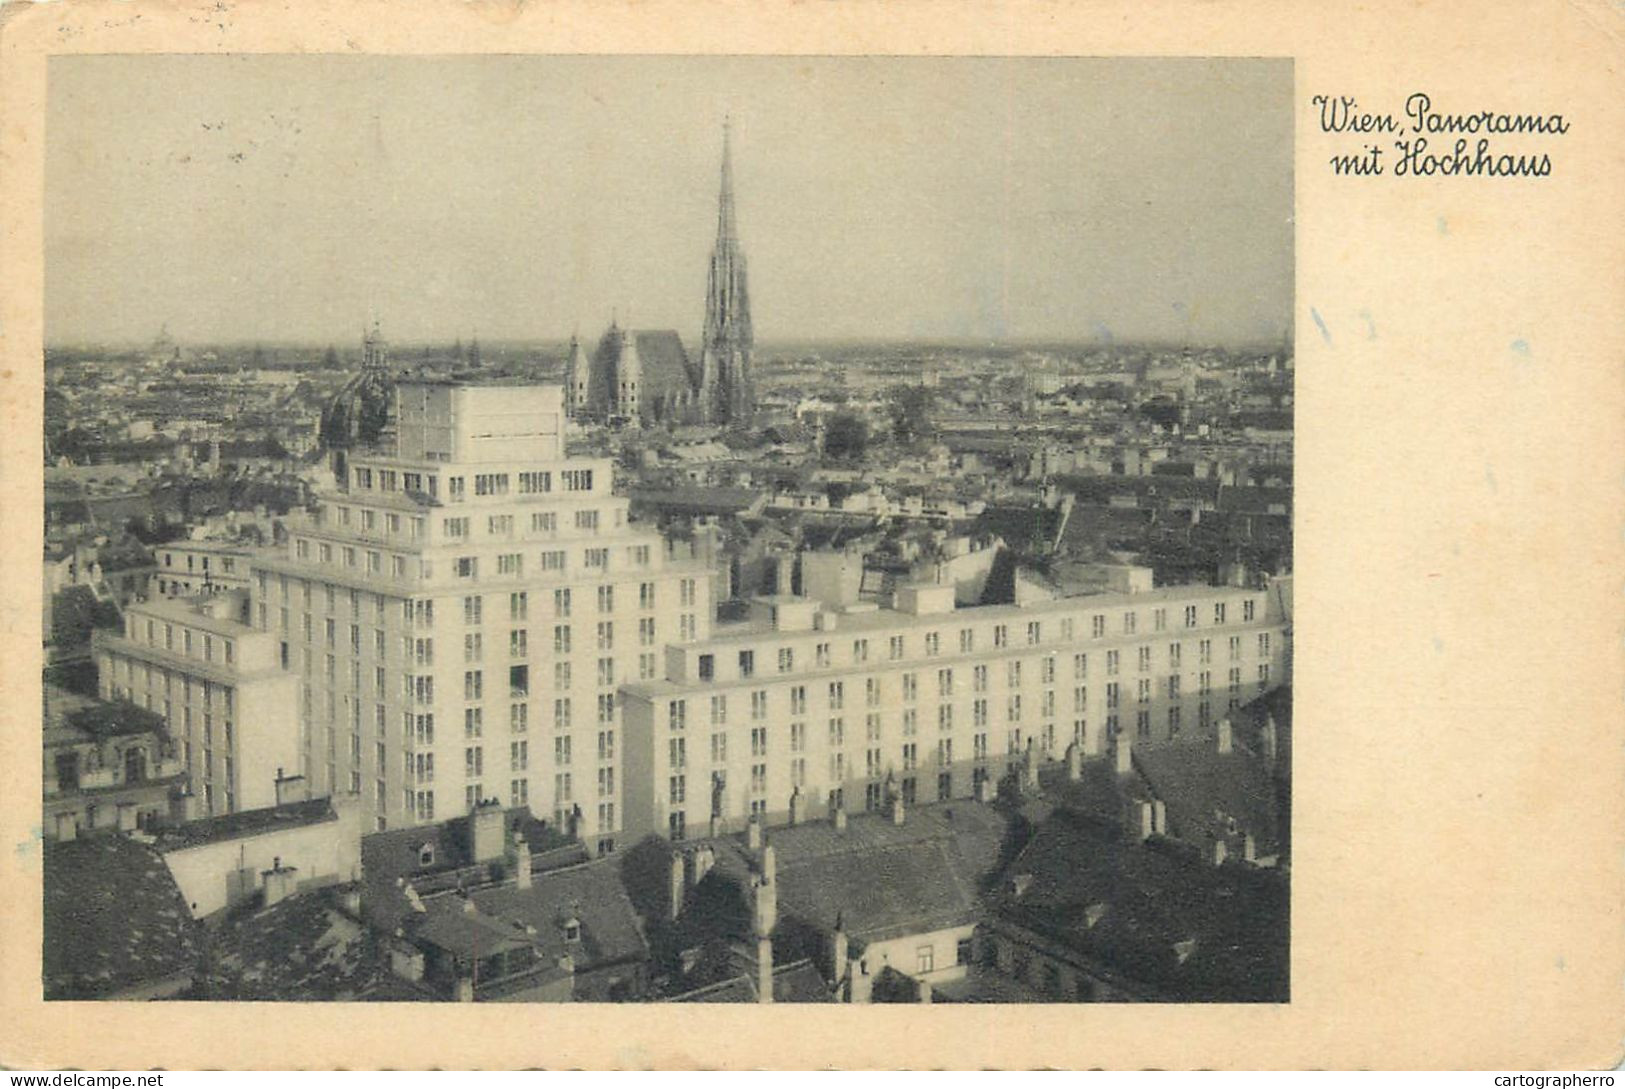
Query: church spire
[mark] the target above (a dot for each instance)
(727, 233)
(726, 390)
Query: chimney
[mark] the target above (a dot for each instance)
(487, 841)
(863, 984)
(704, 859)
(1074, 762)
(1147, 825)
(897, 809)
(1159, 817)
(764, 970)
(753, 833)
(521, 862)
(797, 804)
(1225, 741)
(291, 788)
(676, 884)
(1220, 851)
(464, 990)
(280, 882)
(1123, 751)
(838, 952)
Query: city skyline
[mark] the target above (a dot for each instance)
(867, 232)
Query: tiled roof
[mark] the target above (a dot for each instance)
(882, 879)
(1205, 790)
(301, 949)
(592, 894)
(1124, 905)
(114, 919)
(666, 367)
(389, 857)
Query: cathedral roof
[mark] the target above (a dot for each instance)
(665, 366)
(357, 414)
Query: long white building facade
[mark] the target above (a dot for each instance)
(802, 709)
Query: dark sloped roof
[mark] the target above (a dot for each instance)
(666, 368)
(249, 822)
(387, 857)
(590, 893)
(1027, 528)
(1205, 789)
(1125, 905)
(884, 880)
(114, 919)
(301, 949)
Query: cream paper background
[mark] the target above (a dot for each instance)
(1458, 861)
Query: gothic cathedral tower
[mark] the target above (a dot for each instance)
(727, 393)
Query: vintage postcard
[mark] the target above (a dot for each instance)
(1091, 534)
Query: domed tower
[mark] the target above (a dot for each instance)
(358, 414)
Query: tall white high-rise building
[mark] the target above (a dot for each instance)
(462, 612)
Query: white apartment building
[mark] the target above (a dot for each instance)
(220, 686)
(462, 612)
(803, 708)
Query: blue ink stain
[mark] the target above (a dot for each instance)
(1103, 331)
(27, 846)
(1438, 645)
(1370, 326)
(1521, 347)
(1489, 478)
(1325, 333)
(1444, 225)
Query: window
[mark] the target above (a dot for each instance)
(1145, 659)
(519, 680)
(894, 648)
(787, 659)
(1263, 646)
(543, 521)
(707, 667)
(1190, 616)
(967, 640)
(597, 558)
(932, 644)
(510, 564)
(606, 635)
(1218, 612)
(473, 685)
(561, 639)
(473, 722)
(1247, 610)
(677, 714)
(719, 710)
(925, 959)
(468, 567)
(1035, 631)
(747, 663)
(798, 700)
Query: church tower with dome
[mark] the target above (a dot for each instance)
(358, 415)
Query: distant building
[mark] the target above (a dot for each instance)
(188, 568)
(645, 376)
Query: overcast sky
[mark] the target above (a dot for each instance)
(286, 198)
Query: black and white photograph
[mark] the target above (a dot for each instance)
(646, 529)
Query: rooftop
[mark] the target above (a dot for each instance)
(114, 919)
(245, 824)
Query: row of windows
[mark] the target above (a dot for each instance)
(191, 643)
(931, 643)
(875, 691)
(501, 526)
